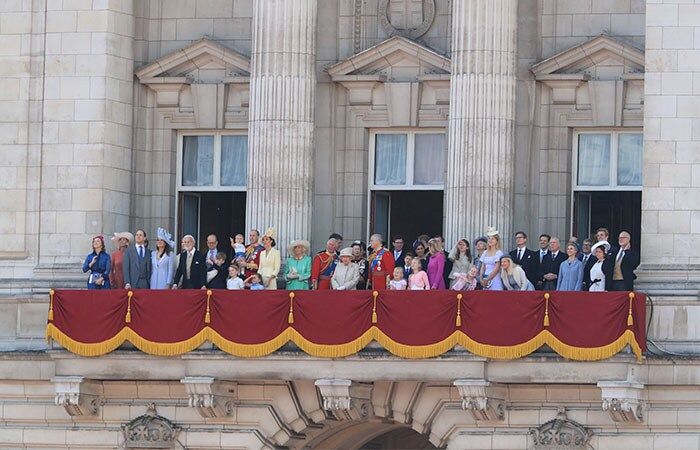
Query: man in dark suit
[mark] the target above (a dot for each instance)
(191, 267)
(550, 265)
(399, 252)
(542, 253)
(625, 261)
(526, 258)
(588, 259)
(137, 263)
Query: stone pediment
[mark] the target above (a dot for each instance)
(198, 62)
(395, 59)
(602, 50)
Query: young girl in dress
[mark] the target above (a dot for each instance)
(234, 281)
(466, 281)
(418, 280)
(398, 283)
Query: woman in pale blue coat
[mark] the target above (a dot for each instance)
(163, 261)
(570, 271)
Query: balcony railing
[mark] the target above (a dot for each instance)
(410, 324)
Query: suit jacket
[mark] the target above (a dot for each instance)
(628, 265)
(550, 265)
(587, 270)
(198, 271)
(219, 281)
(530, 263)
(137, 271)
(399, 261)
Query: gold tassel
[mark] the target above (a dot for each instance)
(374, 306)
(630, 320)
(546, 309)
(51, 292)
(207, 316)
(127, 319)
(290, 318)
(458, 321)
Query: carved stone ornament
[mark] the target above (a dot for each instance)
(211, 398)
(78, 396)
(483, 399)
(623, 400)
(409, 18)
(561, 433)
(346, 400)
(150, 431)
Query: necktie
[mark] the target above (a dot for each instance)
(620, 255)
(554, 256)
(141, 251)
(585, 259)
(520, 254)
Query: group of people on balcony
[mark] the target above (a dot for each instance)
(426, 266)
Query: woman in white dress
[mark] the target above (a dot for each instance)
(602, 271)
(163, 261)
(491, 262)
(270, 261)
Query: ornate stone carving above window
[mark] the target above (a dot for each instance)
(150, 431)
(78, 396)
(602, 79)
(623, 400)
(408, 18)
(345, 399)
(561, 433)
(484, 400)
(204, 83)
(211, 397)
(398, 83)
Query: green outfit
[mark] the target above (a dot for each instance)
(303, 269)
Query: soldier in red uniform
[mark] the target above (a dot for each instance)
(252, 253)
(381, 264)
(323, 266)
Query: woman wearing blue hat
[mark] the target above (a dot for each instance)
(163, 261)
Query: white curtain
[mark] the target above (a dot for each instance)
(429, 161)
(390, 159)
(198, 161)
(234, 160)
(629, 160)
(593, 160)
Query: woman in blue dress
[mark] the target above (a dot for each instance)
(163, 261)
(98, 263)
(491, 262)
(570, 276)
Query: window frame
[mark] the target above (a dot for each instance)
(216, 180)
(614, 144)
(410, 159)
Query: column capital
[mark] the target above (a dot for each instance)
(79, 396)
(345, 399)
(483, 399)
(211, 397)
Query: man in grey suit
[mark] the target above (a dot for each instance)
(137, 263)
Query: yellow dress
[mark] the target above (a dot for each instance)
(269, 267)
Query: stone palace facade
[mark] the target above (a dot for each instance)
(348, 116)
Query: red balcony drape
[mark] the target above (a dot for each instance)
(410, 324)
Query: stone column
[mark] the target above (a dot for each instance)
(479, 183)
(671, 174)
(281, 131)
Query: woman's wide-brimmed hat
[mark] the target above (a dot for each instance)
(347, 251)
(124, 234)
(604, 244)
(163, 235)
(299, 243)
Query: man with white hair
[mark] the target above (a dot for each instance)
(381, 264)
(323, 266)
(192, 267)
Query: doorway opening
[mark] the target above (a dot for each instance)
(400, 438)
(204, 213)
(614, 210)
(406, 213)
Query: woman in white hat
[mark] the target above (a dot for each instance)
(347, 273)
(491, 262)
(163, 261)
(269, 266)
(121, 241)
(298, 266)
(602, 270)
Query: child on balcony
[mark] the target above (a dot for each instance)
(418, 280)
(254, 283)
(234, 281)
(398, 283)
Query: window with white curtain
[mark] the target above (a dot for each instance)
(213, 162)
(408, 160)
(608, 160)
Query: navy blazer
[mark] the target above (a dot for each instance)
(530, 263)
(628, 265)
